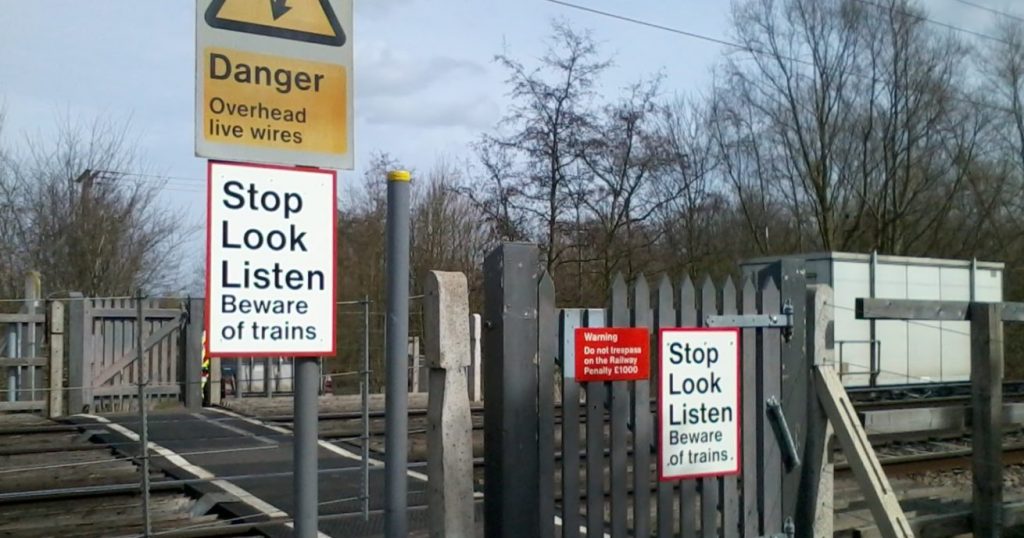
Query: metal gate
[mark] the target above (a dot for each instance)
(591, 446)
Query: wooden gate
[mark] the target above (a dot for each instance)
(579, 458)
(23, 361)
(103, 370)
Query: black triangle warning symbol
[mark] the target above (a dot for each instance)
(312, 21)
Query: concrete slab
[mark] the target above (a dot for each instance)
(894, 421)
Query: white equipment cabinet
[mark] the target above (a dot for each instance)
(872, 353)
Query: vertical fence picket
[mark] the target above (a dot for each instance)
(619, 410)
(547, 343)
(595, 442)
(111, 335)
(795, 375)
(642, 420)
(730, 490)
(711, 486)
(664, 316)
(687, 488)
(769, 381)
(178, 351)
(749, 415)
(569, 320)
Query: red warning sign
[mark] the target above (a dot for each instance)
(612, 354)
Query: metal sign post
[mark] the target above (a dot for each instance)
(307, 387)
(271, 265)
(140, 322)
(396, 455)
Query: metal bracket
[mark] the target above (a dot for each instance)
(781, 428)
(782, 321)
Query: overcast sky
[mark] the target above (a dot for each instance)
(425, 82)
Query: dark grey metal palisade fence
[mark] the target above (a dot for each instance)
(595, 468)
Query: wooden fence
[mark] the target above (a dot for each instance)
(31, 379)
(592, 473)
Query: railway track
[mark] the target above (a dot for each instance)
(924, 392)
(899, 455)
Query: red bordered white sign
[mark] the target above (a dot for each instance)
(699, 403)
(271, 236)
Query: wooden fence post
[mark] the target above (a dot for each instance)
(80, 355)
(33, 376)
(193, 356)
(511, 473)
(815, 509)
(56, 405)
(450, 426)
(987, 417)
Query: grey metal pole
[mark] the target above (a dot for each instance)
(396, 444)
(306, 483)
(365, 392)
(875, 353)
(143, 418)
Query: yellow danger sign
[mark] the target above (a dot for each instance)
(273, 102)
(312, 21)
(274, 82)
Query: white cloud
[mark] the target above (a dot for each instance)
(382, 71)
(376, 9)
(448, 111)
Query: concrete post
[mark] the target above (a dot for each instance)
(815, 510)
(56, 406)
(449, 425)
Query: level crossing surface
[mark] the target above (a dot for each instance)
(249, 464)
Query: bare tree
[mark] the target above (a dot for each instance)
(530, 165)
(446, 232)
(626, 164)
(12, 263)
(853, 116)
(90, 217)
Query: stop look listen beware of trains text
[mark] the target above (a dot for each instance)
(271, 256)
(699, 401)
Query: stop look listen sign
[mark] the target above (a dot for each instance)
(698, 403)
(271, 260)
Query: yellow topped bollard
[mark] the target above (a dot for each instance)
(396, 401)
(399, 175)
